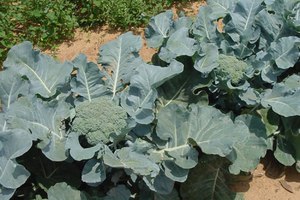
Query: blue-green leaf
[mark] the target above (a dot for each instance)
(285, 52)
(179, 44)
(160, 184)
(159, 29)
(93, 172)
(284, 152)
(138, 100)
(244, 14)
(219, 8)
(120, 58)
(207, 58)
(14, 143)
(208, 181)
(44, 73)
(204, 126)
(77, 151)
(11, 86)
(118, 193)
(5, 193)
(88, 82)
(62, 191)
(247, 152)
(204, 27)
(284, 102)
(45, 121)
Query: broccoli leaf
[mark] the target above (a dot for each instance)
(62, 191)
(44, 73)
(138, 100)
(77, 151)
(285, 52)
(208, 181)
(219, 8)
(45, 121)
(140, 164)
(247, 152)
(88, 82)
(11, 86)
(206, 58)
(283, 101)
(178, 44)
(14, 143)
(5, 193)
(120, 58)
(204, 28)
(174, 172)
(284, 151)
(159, 29)
(204, 126)
(243, 18)
(160, 184)
(118, 193)
(93, 172)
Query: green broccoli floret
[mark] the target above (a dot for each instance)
(231, 68)
(98, 119)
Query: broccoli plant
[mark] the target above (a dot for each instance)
(221, 90)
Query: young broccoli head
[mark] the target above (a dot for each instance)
(98, 119)
(230, 68)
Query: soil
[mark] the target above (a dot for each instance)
(262, 186)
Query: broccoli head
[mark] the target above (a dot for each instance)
(230, 68)
(98, 119)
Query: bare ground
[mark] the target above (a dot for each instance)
(261, 187)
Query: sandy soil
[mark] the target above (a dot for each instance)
(261, 187)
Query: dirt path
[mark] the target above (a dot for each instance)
(261, 187)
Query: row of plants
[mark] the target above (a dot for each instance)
(215, 98)
(46, 23)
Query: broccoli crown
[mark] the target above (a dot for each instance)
(231, 68)
(98, 119)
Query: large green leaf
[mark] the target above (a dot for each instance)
(204, 126)
(62, 191)
(292, 133)
(247, 152)
(219, 8)
(125, 157)
(207, 181)
(119, 192)
(45, 121)
(11, 86)
(204, 27)
(13, 143)
(284, 151)
(243, 18)
(5, 193)
(184, 88)
(44, 73)
(285, 52)
(178, 44)
(138, 100)
(159, 29)
(88, 82)
(270, 25)
(160, 184)
(283, 101)
(207, 58)
(120, 58)
(77, 151)
(93, 172)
